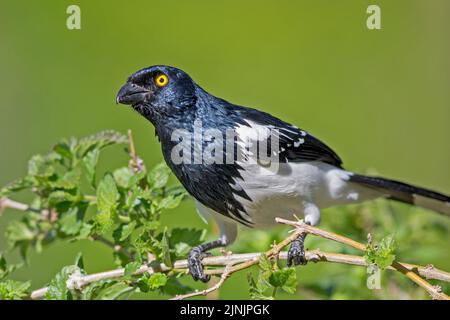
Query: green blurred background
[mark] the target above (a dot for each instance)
(380, 98)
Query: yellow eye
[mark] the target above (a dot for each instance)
(161, 80)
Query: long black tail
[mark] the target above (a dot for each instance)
(406, 193)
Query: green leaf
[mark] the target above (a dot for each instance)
(285, 278)
(16, 186)
(99, 141)
(57, 289)
(107, 196)
(174, 287)
(5, 268)
(13, 290)
(264, 264)
(156, 280)
(165, 249)
(95, 289)
(18, 231)
(103, 222)
(64, 149)
(170, 202)
(70, 180)
(382, 255)
(57, 197)
(70, 223)
(123, 176)
(90, 164)
(131, 268)
(152, 282)
(256, 291)
(151, 225)
(43, 166)
(158, 176)
(106, 290)
(124, 231)
(85, 231)
(79, 262)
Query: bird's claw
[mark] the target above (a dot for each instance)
(195, 265)
(296, 253)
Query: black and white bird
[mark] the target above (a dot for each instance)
(308, 175)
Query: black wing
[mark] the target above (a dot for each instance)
(295, 145)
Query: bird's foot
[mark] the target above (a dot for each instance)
(296, 252)
(195, 265)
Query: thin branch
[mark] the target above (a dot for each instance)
(6, 203)
(236, 262)
(434, 291)
(244, 265)
(226, 273)
(136, 163)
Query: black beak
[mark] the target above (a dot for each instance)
(131, 93)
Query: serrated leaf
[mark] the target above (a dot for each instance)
(103, 222)
(123, 176)
(98, 290)
(99, 141)
(158, 176)
(107, 194)
(136, 178)
(13, 290)
(150, 225)
(5, 268)
(42, 167)
(165, 249)
(131, 268)
(16, 186)
(85, 231)
(170, 202)
(70, 224)
(264, 263)
(152, 282)
(90, 161)
(124, 231)
(115, 291)
(285, 278)
(157, 280)
(70, 180)
(18, 231)
(382, 255)
(57, 289)
(63, 149)
(56, 197)
(255, 291)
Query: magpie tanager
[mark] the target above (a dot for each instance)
(308, 175)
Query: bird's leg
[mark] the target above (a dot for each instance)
(296, 252)
(197, 254)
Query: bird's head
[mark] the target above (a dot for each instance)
(158, 92)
